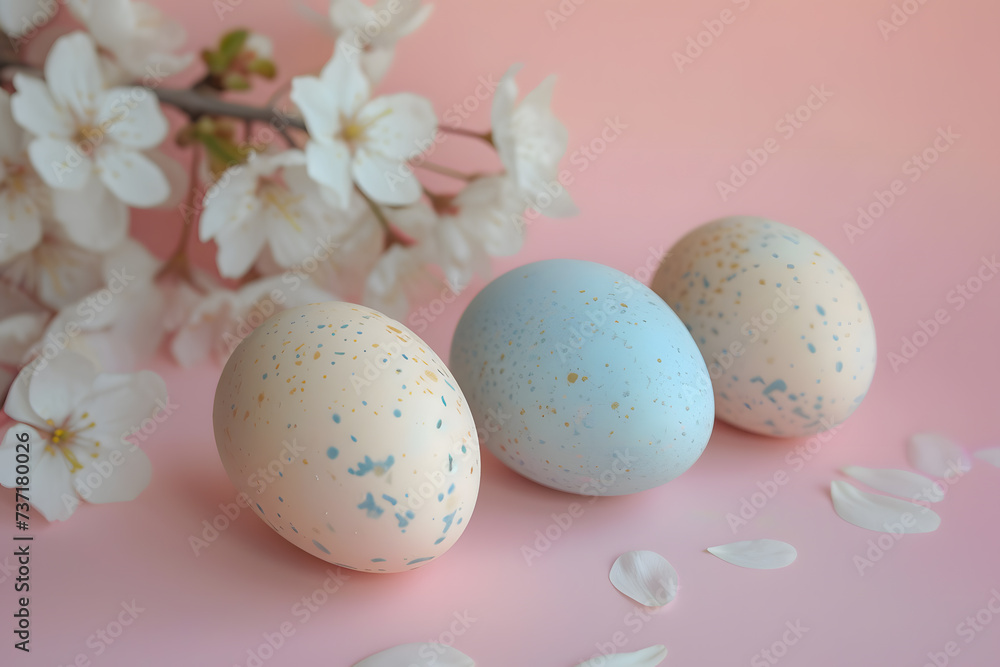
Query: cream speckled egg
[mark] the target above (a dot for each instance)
(782, 325)
(350, 436)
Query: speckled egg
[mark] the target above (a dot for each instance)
(783, 326)
(582, 379)
(350, 436)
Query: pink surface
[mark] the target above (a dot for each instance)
(653, 183)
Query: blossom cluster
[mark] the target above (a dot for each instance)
(315, 200)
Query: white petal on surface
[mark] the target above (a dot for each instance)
(647, 657)
(881, 513)
(92, 217)
(350, 87)
(56, 390)
(991, 455)
(762, 554)
(936, 455)
(385, 180)
(425, 654)
(132, 117)
(646, 577)
(318, 104)
(59, 163)
(73, 74)
(901, 483)
(34, 109)
(330, 165)
(400, 126)
(132, 177)
(130, 474)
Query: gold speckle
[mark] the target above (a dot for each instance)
(316, 356)
(614, 406)
(762, 282)
(571, 378)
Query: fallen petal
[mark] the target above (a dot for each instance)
(757, 554)
(646, 577)
(991, 455)
(647, 657)
(902, 483)
(935, 455)
(881, 513)
(421, 654)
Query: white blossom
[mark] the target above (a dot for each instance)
(24, 199)
(22, 17)
(399, 272)
(76, 421)
(530, 141)
(353, 138)
(270, 200)
(369, 32)
(88, 142)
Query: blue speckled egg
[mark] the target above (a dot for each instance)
(783, 326)
(349, 437)
(582, 379)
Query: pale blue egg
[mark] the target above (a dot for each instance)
(582, 379)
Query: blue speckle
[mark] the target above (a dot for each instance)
(336, 418)
(280, 499)
(791, 266)
(451, 489)
(368, 465)
(840, 366)
(403, 521)
(447, 521)
(812, 348)
(396, 413)
(439, 540)
(378, 560)
(321, 547)
(389, 499)
(439, 423)
(444, 401)
(332, 452)
(374, 511)
(440, 497)
(704, 281)
(819, 309)
(260, 508)
(264, 377)
(420, 560)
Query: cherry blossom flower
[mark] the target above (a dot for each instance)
(88, 142)
(139, 36)
(370, 32)
(270, 200)
(225, 317)
(24, 199)
(21, 17)
(354, 138)
(530, 141)
(76, 421)
(400, 272)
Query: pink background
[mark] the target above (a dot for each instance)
(650, 186)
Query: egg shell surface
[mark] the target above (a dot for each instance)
(350, 437)
(783, 326)
(582, 379)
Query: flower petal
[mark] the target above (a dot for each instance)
(92, 217)
(400, 126)
(991, 455)
(901, 483)
(18, 402)
(646, 577)
(318, 104)
(132, 117)
(20, 224)
(647, 657)
(238, 248)
(423, 654)
(118, 403)
(58, 387)
(73, 74)
(228, 203)
(132, 177)
(936, 455)
(329, 164)
(344, 77)
(762, 554)
(130, 474)
(34, 109)
(385, 180)
(59, 163)
(881, 513)
(52, 491)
